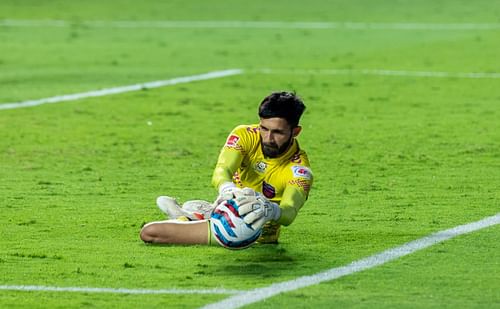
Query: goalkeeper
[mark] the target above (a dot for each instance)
(264, 157)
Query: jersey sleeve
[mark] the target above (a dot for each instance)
(295, 194)
(230, 157)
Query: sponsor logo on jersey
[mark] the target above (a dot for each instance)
(232, 140)
(301, 171)
(260, 167)
(268, 190)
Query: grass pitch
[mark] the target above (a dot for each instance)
(395, 157)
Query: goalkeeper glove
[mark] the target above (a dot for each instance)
(259, 212)
(228, 191)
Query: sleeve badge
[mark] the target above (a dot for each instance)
(301, 172)
(232, 140)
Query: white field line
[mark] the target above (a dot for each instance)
(39, 288)
(260, 294)
(380, 72)
(121, 89)
(179, 24)
(242, 298)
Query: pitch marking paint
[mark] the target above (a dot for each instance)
(381, 72)
(121, 89)
(260, 294)
(39, 288)
(242, 298)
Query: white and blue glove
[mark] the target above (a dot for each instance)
(228, 191)
(259, 212)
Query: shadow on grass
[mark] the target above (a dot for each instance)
(257, 261)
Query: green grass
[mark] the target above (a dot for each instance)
(395, 158)
(279, 10)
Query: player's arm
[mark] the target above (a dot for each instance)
(293, 199)
(295, 194)
(229, 160)
(227, 164)
(263, 210)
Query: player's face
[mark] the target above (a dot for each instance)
(276, 136)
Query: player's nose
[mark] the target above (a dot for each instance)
(268, 138)
(265, 136)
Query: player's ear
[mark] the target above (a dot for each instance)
(296, 130)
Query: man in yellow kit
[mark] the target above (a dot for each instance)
(264, 157)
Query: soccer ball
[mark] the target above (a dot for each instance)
(229, 229)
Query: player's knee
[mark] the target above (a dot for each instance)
(148, 233)
(156, 233)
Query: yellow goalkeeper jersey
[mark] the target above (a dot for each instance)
(285, 180)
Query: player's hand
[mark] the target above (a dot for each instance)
(259, 211)
(227, 194)
(232, 192)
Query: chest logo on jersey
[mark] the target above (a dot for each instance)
(301, 171)
(260, 167)
(268, 190)
(232, 140)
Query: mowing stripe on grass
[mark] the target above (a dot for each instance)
(121, 89)
(381, 72)
(39, 288)
(129, 24)
(260, 294)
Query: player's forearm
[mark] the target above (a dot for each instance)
(227, 164)
(288, 214)
(292, 201)
(221, 176)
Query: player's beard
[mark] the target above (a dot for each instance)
(273, 150)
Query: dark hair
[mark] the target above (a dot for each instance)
(283, 104)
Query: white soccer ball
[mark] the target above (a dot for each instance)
(229, 229)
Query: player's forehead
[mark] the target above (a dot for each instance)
(275, 124)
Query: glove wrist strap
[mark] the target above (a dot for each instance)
(226, 185)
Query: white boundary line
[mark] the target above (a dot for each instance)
(260, 294)
(121, 89)
(39, 288)
(381, 72)
(180, 24)
(242, 298)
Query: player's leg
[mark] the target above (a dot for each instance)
(176, 232)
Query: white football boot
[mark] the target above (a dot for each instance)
(199, 208)
(195, 210)
(169, 206)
